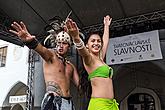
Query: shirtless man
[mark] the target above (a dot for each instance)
(58, 71)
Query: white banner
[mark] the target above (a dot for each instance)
(134, 48)
(17, 99)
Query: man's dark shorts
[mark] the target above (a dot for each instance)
(51, 102)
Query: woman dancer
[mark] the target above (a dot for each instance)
(100, 74)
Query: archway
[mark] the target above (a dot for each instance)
(17, 107)
(18, 88)
(141, 99)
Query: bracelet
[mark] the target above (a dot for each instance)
(32, 44)
(79, 45)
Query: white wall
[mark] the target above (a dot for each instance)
(16, 68)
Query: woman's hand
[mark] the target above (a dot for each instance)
(107, 20)
(21, 31)
(72, 29)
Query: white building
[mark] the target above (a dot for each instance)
(13, 77)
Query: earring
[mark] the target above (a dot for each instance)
(87, 46)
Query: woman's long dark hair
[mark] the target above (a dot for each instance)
(85, 84)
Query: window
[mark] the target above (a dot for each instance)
(3, 54)
(141, 101)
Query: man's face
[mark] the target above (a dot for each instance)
(62, 47)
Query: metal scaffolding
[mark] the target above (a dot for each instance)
(148, 18)
(30, 82)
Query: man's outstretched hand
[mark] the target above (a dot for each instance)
(21, 31)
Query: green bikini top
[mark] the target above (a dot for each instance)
(103, 71)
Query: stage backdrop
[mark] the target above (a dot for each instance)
(134, 48)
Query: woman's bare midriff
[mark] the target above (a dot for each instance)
(102, 88)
